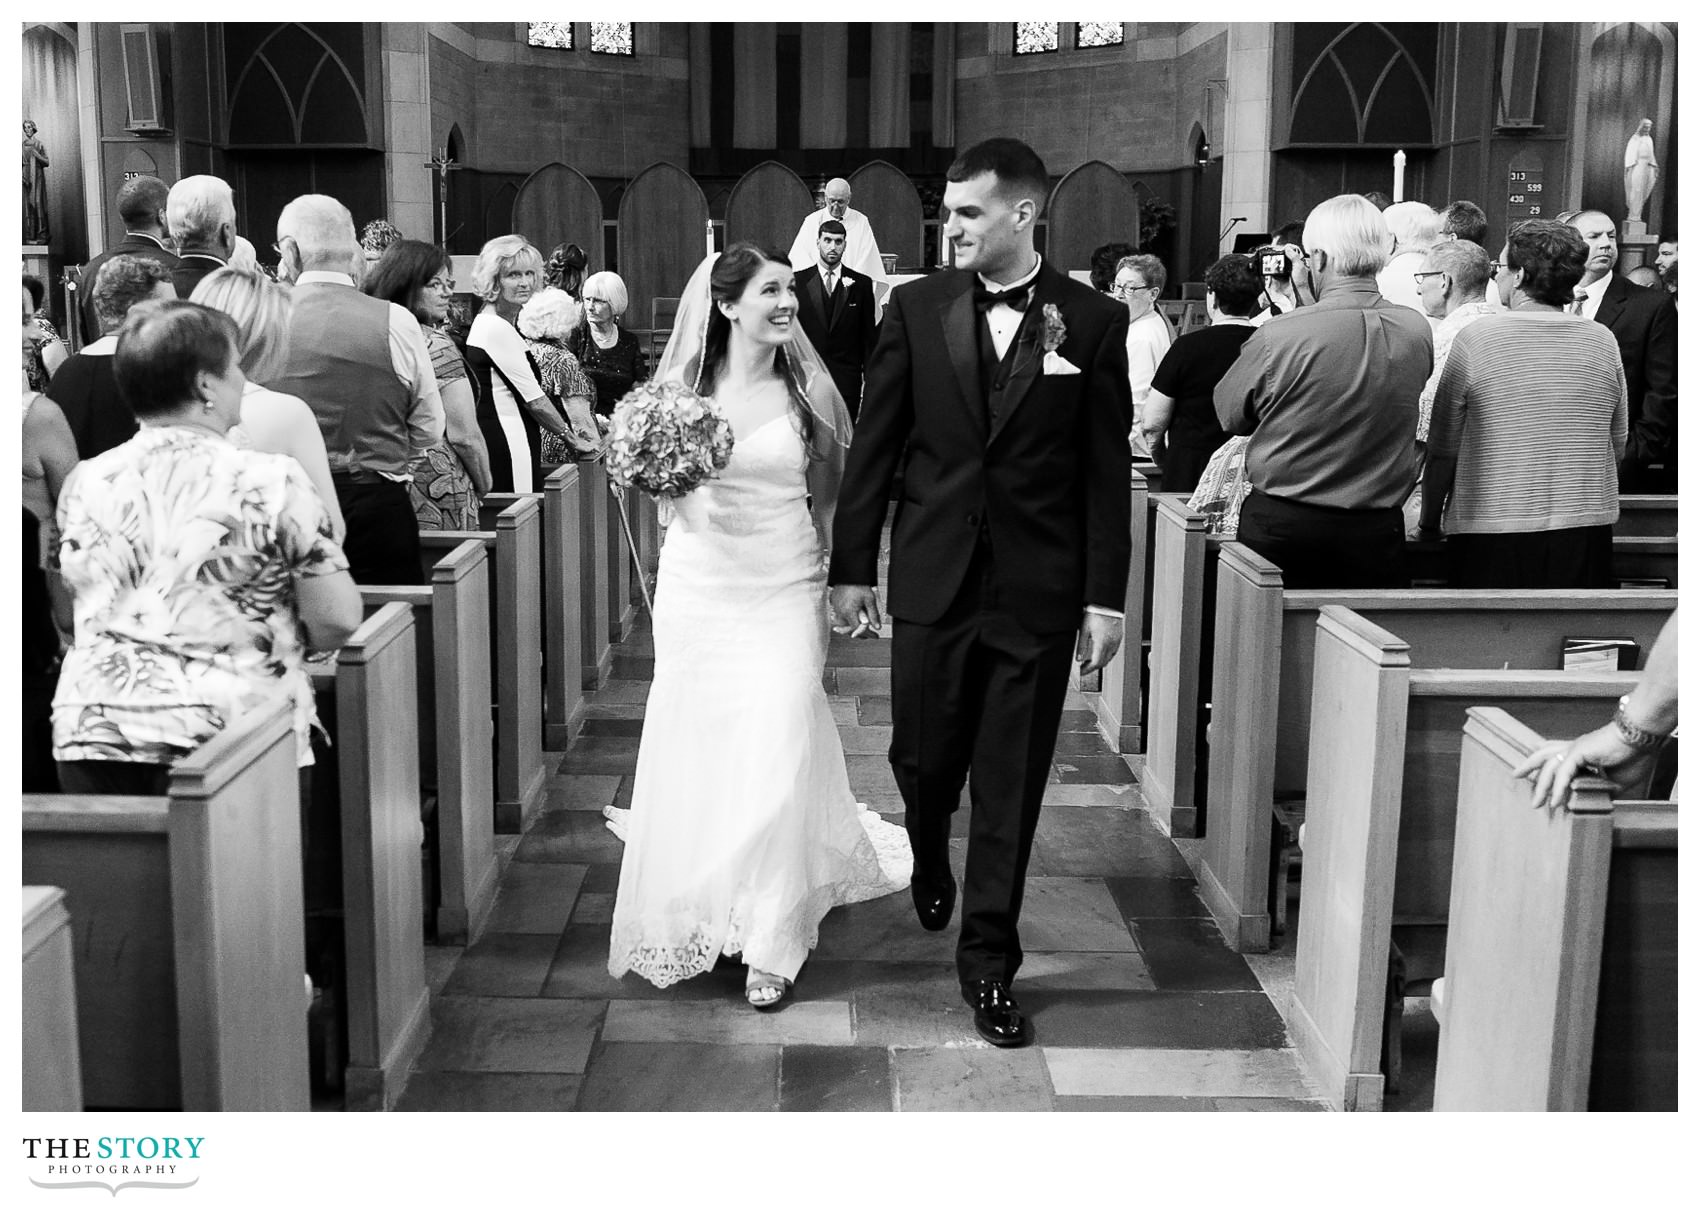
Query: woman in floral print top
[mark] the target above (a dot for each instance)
(200, 572)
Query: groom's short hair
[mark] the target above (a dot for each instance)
(1020, 172)
(835, 227)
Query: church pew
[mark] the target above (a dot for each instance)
(596, 649)
(1637, 557)
(1115, 694)
(1183, 592)
(1646, 514)
(514, 545)
(621, 614)
(1380, 821)
(451, 620)
(1261, 680)
(369, 777)
(186, 915)
(52, 1069)
(564, 575)
(1561, 970)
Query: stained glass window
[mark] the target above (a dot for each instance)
(556, 34)
(611, 37)
(1036, 37)
(1099, 33)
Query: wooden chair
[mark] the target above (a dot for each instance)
(186, 912)
(1561, 966)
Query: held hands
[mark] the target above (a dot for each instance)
(856, 611)
(1555, 764)
(1100, 638)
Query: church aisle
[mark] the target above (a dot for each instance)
(1137, 1002)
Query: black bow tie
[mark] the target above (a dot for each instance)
(1016, 296)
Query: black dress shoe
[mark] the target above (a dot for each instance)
(996, 1017)
(933, 903)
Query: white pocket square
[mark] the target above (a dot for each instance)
(1056, 364)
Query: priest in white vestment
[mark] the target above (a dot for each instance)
(861, 250)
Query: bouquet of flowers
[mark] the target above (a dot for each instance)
(666, 440)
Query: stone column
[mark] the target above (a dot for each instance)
(409, 190)
(1246, 133)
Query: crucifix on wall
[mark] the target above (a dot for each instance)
(442, 164)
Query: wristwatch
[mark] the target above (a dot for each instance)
(1634, 736)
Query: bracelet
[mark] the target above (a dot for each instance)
(1635, 737)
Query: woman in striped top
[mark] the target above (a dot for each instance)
(1530, 419)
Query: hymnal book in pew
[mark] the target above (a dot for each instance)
(1587, 653)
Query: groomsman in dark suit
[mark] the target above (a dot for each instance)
(836, 306)
(1006, 383)
(1644, 323)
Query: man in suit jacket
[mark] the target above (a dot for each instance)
(1644, 323)
(1006, 383)
(202, 213)
(141, 205)
(836, 306)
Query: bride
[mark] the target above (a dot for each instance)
(743, 832)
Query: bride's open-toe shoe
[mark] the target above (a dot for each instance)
(764, 991)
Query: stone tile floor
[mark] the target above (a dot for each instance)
(1137, 1003)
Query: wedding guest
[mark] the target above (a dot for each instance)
(1665, 264)
(37, 665)
(141, 208)
(86, 387)
(452, 477)
(1105, 258)
(1287, 290)
(565, 269)
(545, 322)
(44, 353)
(1138, 284)
(201, 212)
(274, 422)
(513, 409)
(1463, 220)
(231, 549)
(375, 239)
(861, 249)
(1644, 323)
(1328, 396)
(1416, 229)
(1180, 413)
(1530, 419)
(49, 455)
(611, 356)
(1453, 287)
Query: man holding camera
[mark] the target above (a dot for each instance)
(1276, 262)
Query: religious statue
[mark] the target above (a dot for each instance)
(1640, 169)
(35, 187)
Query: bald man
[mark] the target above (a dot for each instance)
(362, 366)
(861, 250)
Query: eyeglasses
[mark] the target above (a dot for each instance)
(1495, 266)
(1426, 274)
(1125, 289)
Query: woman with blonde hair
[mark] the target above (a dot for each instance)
(513, 408)
(545, 323)
(611, 356)
(274, 422)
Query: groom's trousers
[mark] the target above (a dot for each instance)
(976, 695)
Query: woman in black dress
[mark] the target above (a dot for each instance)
(612, 357)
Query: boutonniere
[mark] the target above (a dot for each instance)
(1056, 332)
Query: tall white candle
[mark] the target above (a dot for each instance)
(1399, 175)
(709, 230)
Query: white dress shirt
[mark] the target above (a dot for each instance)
(1595, 294)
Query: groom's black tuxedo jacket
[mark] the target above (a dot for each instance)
(1048, 480)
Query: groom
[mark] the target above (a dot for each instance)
(1007, 384)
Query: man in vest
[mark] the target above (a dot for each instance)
(362, 366)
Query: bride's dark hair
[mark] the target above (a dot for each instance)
(732, 273)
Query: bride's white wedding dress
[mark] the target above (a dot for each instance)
(743, 831)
